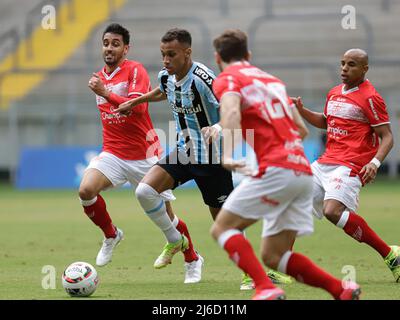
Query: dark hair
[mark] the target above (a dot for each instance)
(182, 35)
(231, 45)
(118, 29)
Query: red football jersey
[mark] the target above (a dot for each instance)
(265, 109)
(129, 137)
(350, 117)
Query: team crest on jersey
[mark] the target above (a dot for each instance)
(188, 95)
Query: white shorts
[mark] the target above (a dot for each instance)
(281, 197)
(334, 182)
(120, 171)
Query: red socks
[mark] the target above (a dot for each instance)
(304, 270)
(97, 212)
(190, 254)
(357, 228)
(242, 254)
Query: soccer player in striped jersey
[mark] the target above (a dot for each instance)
(187, 85)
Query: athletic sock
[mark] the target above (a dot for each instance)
(154, 206)
(96, 210)
(356, 227)
(190, 254)
(242, 254)
(304, 270)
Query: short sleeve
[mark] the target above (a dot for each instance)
(139, 81)
(224, 84)
(328, 98)
(162, 80)
(206, 91)
(376, 111)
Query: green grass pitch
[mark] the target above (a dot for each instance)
(40, 228)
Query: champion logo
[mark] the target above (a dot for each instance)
(269, 201)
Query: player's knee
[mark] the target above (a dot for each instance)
(145, 192)
(332, 213)
(271, 260)
(215, 231)
(87, 193)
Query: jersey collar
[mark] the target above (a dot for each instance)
(353, 89)
(109, 77)
(180, 82)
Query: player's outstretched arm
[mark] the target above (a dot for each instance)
(154, 95)
(369, 171)
(316, 119)
(232, 133)
(303, 131)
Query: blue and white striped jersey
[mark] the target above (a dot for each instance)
(194, 106)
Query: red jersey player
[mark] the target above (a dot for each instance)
(358, 140)
(130, 148)
(280, 193)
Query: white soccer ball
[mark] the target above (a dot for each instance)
(80, 279)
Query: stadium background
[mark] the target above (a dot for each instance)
(48, 117)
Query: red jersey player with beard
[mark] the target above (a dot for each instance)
(281, 193)
(130, 148)
(358, 140)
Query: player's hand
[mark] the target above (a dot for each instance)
(210, 134)
(97, 85)
(236, 166)
(297, 102)
(368, 173)
(125, 108)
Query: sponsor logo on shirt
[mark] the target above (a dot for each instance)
(203, 75)
(336, 131)
(186, 110)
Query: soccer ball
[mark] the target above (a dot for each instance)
(80, 279)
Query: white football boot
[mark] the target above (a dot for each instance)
(106, 251)
(193, 270)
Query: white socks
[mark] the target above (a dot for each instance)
(282, 266)
(224, 236)
(87, 203)
(343, 219)
(154, 206)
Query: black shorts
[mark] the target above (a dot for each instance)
(214, 182)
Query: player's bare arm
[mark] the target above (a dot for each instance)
(97, 86)
(230, 123)
(370, 170)
(316, 119)
(154, 95)
(303, 131)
